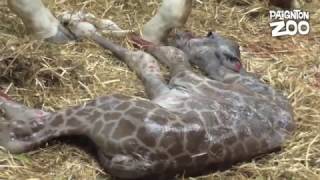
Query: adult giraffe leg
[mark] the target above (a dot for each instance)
(171, 14)
(39, 21)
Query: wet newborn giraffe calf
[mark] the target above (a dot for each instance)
(189, 124)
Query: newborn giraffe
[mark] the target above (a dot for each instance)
(191, 124)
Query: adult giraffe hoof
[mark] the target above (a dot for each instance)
(63, 35)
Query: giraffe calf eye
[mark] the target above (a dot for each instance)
(232, 59)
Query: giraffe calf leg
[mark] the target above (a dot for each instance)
(142, 63)
(170, 56)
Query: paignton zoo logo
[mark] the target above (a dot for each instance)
(289, 22)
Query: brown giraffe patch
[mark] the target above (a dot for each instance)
(252, 145)
(91, 103)
(145, 104)
(123, 106)
(163, 113)
(240, 151)
(124, 129)
(158, 119)
(111, 116)
(161, 155)
(122, 97)
(111, 146)
(99, 140)
(57, 121)
(192, 117)
(105, 106)
(130, 145)
(69, 112)
(175, 148)
(104, 99)
(228, 155)
(230, 140)
(73, 122)
(148, 138)
(97, 127)
(217, 151)
(172, 141)
(94, 116)
(195, 140)
(84, 112)
(159, 166)
(183, 160)
(136, 113)
(107, 129)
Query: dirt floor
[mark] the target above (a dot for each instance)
(50, 76)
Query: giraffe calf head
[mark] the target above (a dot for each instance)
(215, 49)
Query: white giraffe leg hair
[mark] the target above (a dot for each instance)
(39, 21)
(171, 14)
